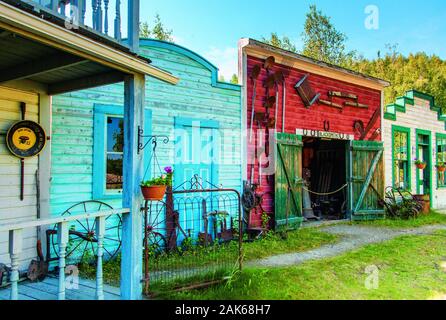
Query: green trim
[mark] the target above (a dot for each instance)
(409, 99)
(396, 128)
(437, 137)
(429, 166)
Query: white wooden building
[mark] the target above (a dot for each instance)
(414, 128)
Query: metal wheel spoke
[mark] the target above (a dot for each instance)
(83, 253)
(112, 239)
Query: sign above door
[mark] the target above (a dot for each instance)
(324, 134)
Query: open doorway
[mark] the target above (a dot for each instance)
(324, 174)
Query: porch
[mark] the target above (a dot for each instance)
(48, 290)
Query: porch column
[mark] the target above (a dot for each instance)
(131, 265)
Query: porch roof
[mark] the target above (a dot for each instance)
(63, 60)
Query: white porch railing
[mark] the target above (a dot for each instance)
(16, 239)
(105, 17)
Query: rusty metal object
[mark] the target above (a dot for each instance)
(344, 95)
(356, 105)
(305, 91)
(38, 269)
(254, 75)
(269, 62)
(330, 104)
(371, 123)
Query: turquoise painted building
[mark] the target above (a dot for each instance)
(201, 116)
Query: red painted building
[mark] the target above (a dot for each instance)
(315, 128)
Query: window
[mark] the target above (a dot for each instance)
(401, 157)
(108, 150)
(114, 153)
(441, 158)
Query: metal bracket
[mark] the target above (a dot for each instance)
(151, 139)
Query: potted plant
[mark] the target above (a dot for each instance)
(441, 167)
(155, 189)
(420, 164)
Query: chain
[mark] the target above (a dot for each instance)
(328, 193)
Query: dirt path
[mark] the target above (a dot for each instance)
(352, 237)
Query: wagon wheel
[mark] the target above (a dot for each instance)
(155, 230)
(82, 242)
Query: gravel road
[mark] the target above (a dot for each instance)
(353, 236)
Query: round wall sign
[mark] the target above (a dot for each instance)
(26, 139)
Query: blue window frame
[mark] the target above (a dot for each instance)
(108, 150)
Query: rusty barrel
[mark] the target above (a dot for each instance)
(425, 200)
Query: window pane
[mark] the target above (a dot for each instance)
(114, 172)
(115, 134)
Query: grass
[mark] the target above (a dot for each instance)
(410, 267)
(432, 218)
(212, 258)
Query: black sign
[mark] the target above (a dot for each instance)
(26, 139)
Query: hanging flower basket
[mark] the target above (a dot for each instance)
(153, 193)
(420, 164)
(441, 167)
(155, 189)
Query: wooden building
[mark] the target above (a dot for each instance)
(207, 110)
(46, 52)
(315, 127)
(414, 128)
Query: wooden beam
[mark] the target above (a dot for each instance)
(97, 80)
(131, 261)
(40, 66)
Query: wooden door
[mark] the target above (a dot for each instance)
(367, 180)
(288, 182)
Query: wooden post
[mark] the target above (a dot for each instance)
(62, 240)
(15, 249)
(118, 20)
(132, 224)
(133, 25)
(100, 231)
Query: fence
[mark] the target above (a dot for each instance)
(105, 17)
(195, 235)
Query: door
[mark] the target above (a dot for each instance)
(366, 174)
(195, 167)
(196, 152)
(288, 182)
(424, 178)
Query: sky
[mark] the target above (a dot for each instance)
(212, 28)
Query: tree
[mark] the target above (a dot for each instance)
(159, 31)
(234, 79)
(322, 41)
(284, 42)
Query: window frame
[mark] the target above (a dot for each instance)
(406, 130)
(439, 136)
(101, 112)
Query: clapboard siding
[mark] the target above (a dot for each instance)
(417, 116)
(12, 210)
(197, 95)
